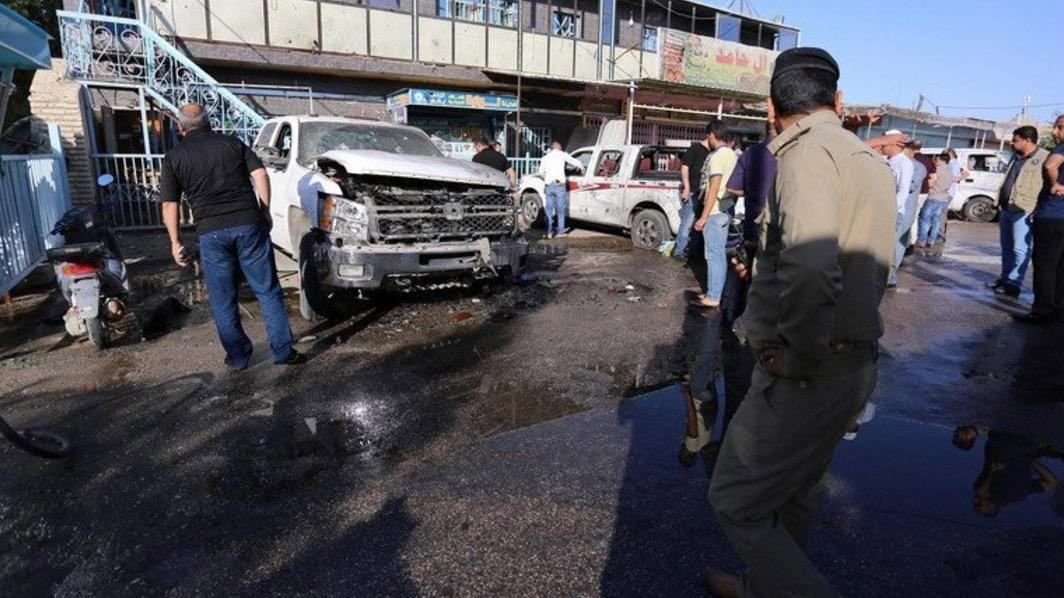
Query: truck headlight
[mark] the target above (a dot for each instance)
(344, 217)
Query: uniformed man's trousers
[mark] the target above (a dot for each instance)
(769, 478)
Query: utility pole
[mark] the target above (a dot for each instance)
(1023, 111)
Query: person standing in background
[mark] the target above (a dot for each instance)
(937, 202)
(908, 217)
(1049, 239)
(1017, 199)
(556, 203)
(902, 167)
(691, 176)
(489, 156)
(752, 179)
(714, 221)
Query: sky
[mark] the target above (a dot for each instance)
(963, 53)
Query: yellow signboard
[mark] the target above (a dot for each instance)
(708, 62)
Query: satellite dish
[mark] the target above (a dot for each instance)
(105, 179)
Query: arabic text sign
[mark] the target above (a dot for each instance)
(453, 99)
(697, 60)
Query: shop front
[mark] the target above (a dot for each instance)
(454, 119)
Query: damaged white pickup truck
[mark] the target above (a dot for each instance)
(364, 205)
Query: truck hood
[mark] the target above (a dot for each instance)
(378, 163)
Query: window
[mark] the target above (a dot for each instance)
(660, 163)
(787, 39)
(986, 163)
(728, 27)
(265, 134)
(316, 138)
(609, 163)
(584, 157)
(495, 12)
(565, 24)
(606, 22)
(284, 141)
(650, 38)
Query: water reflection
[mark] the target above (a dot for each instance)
(1015, 467)
(719, 365)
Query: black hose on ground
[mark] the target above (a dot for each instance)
(40, 442)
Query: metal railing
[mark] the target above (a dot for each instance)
(33, 195)
(525, 166)
(121, 51)
(132, 201)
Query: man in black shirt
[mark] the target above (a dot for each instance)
(488, 156)
(213, 171)
(691, 175)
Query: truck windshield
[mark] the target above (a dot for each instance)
(316, 138)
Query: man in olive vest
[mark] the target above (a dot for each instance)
(1017, 200)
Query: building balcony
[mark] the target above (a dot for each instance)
(676, 42)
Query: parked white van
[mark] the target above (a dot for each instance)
(976, 199)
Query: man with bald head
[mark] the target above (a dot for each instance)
(214, 172)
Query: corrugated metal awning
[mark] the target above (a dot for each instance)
(23, 45)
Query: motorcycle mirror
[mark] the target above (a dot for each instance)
(105, 180)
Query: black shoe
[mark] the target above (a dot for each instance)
(1034, 318)
(1008, 290)
(892, 286)
(235, 368)
(995, 285)
(294, 358)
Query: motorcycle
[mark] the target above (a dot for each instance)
(90, 272)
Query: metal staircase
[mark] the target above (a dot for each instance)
(119, 52)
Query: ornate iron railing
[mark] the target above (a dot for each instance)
(118, 51)
(132, 201)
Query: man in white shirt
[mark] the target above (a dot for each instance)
(903, 169)
(552, 169)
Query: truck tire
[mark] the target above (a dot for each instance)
(650, 229)
(313, 300)
(979, 209)
(531, 211)
(96, 332)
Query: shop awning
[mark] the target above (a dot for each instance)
(23, 45)
(437, 98)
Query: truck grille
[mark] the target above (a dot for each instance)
(403, 216)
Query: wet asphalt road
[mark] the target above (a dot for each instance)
(409, 455)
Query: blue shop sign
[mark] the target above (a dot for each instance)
(452, 99)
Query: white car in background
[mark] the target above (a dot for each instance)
(976, 198)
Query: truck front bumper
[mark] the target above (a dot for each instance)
(376, 266)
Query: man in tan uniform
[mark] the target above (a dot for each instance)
(827, 241)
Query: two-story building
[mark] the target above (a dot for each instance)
(519, 71)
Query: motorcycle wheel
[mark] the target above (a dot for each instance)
(96, 332)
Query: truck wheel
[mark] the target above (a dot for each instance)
(980, 209)
(649, 229)
(531, 212)
(96, 332)
(313, 301)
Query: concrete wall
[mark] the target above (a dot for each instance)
(344, 27)
(56, 99)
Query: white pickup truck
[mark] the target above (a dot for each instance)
(364, 205)
(630, 187)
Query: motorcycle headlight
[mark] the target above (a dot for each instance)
(344, 217)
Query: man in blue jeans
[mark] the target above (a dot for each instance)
(1017, 199)
(713, 222)
(213, 171)
(556, 203)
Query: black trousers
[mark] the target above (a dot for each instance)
(1048, 262)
